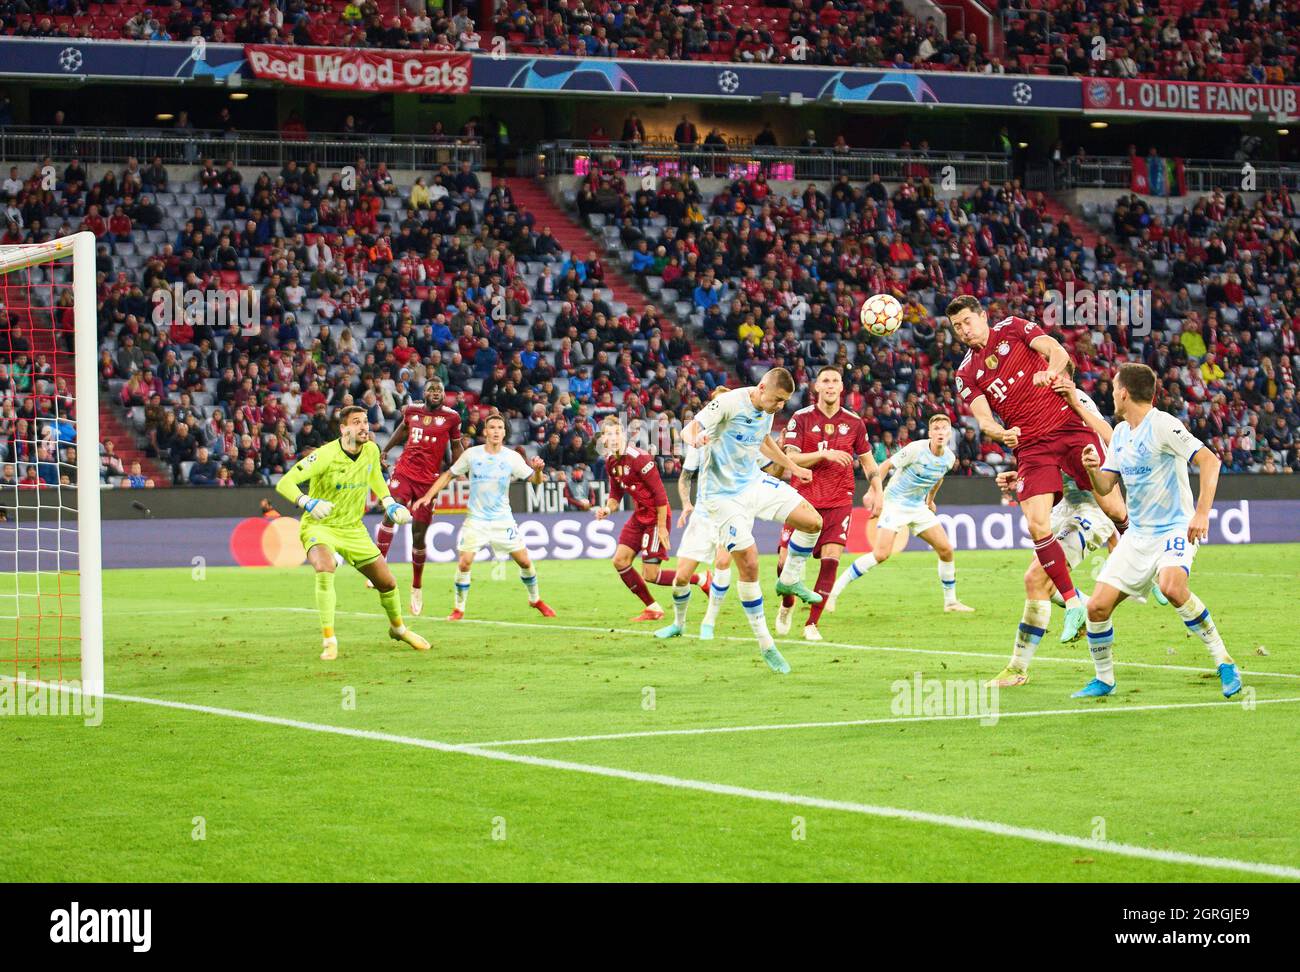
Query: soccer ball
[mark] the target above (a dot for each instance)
(882, 314)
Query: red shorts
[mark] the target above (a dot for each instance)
(1041, 463)
(407, 491)
(835, 529)
(643, 537)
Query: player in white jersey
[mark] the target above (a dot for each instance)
(491, 469)
(919, 468)
(734, 434)
(1150, 451)
(700, 541)
(1080, 526)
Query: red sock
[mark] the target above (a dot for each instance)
(825, 581)
(1052, 557)
(417, 566)
(666, 577)
(629, 576)
(385, 538)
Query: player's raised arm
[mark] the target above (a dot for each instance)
(979, 407)
(1103, 479)
(399, 436)
(439, 485)
(1058, 359)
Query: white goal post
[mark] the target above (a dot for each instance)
(37, 284)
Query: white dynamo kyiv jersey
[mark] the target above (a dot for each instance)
(1152, 459)
(1080, 494)
(489, 481)
(916, 470)
(732, 461)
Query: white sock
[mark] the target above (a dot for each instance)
(797, 552)
(718, 588)
(1033, 625)
(462, 589)
(1101, 636)
(1197, 618)
(681, 601)
(529, 577)
(856, 570)
(751, 599)
(948, 578)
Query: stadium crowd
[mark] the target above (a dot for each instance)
(1252, 41)
(365, 293)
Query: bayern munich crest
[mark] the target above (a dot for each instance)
(1004, 349)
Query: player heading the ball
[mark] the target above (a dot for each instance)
(340, 477)
(1011, 368)
(491, 469)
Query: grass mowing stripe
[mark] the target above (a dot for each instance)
(724, 789)
(992, 717)
(647, 633)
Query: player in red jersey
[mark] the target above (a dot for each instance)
(825, 437)
(424, 433)
(633, 473)
(1005, 370)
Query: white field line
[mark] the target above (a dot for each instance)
(723, 789)
(647, 632)
(991, 717)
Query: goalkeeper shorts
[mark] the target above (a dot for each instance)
(352, 543)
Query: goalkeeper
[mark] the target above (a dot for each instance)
(340, 476)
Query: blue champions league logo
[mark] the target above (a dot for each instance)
(582, 76)
(915, 87)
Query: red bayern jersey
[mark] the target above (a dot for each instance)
(1003, 371)
(635, 475)
(812, 430)
(429, 430)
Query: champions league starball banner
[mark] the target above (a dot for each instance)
(257, 542)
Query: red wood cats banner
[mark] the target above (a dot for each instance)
(349, 69)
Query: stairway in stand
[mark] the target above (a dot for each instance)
(111, 427)
(1086, 232)
(575, 238)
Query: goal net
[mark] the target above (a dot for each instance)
(51, 619)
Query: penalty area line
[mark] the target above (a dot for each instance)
(990, 718)
(643, 633)
(992, 827)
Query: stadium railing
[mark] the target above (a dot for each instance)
(1201, 175)
(108, 145)
(572, 157)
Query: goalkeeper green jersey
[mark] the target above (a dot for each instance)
(344, 480)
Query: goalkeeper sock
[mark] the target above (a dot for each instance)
(417, 567)
(1197, 618)
(1033, 625)
(798, 550)
(1101, 637)
(856, 570)
(389, 600)
(751, 599)
(384, 539)
(529, 577)
(326, 599)
(717, 594)
(825, 581)
(462, 589)
(948, 578)
(636, 584)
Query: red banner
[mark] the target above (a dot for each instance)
(349, 69)
(1191, 98)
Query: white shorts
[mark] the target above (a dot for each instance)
(897, 518)
(1080, 528)
(502, 535)
(733, 516)
(1136, 560)
(700, 541)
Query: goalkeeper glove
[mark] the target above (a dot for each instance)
(398, 513)
(318, 508)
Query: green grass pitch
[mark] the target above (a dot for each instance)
(159, 793)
